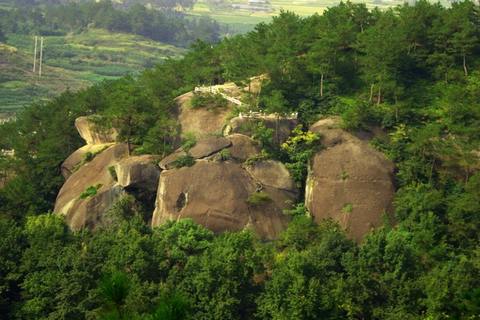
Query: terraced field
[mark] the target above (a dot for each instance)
(72, 61)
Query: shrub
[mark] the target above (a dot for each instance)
(224, 155)
(257, 157)
(299, 149)
(113, 173)
(209, 101)
(184, 161)
(347, 208)
(90, 191)
(258, 198)
(88, 157)
(189, 141)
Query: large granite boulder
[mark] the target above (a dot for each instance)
(349, 181)
(245, 124)
(202, 149)
(93, 134)
(243, 147)
(223, 196)
(138, 172)
(72, 201)
(81, 157)
(209, 146)
(201, 122)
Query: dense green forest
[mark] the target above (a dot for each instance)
(163, 25)
(412, 70)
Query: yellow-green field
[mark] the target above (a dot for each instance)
(73, 61)
(244, 20)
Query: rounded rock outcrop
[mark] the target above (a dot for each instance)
(92, 134)
(222, 196)
(91, 190)
(201, 122)
(138, 172)
(349, 181)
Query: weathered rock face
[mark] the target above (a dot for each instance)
(86, 212)
(243, 147)
(215, 195)
(72, 163)
(349, 181)
(209, 146)
(200, 121)
(282, 127)
(93, 135)
(240, 147)
(138, 172)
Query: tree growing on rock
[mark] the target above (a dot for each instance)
(127, 110)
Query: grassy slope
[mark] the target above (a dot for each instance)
(72, 61)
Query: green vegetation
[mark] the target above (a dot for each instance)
(73, 62)
(421, 86)
(90, 191)
(113, 173)
(258, 198)
(208, 101)
(224, 155)
(299, 149)
(189, 141)
(184, 161)
(163, 24)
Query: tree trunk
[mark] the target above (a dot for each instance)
(321, 86)
(379, 95)
(128, 139)
(371, 92)
(276, 129)
(465, 69)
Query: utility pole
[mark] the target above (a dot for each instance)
(35, 55)
(41, 58)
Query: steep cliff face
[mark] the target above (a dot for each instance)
(349, 181)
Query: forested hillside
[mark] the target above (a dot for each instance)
(161, 25)
(411, 71)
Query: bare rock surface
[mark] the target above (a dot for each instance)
(271, 174)
(243, 147)
(200, 121)
(208, 146)
(92, 134)
(168, 162)
(215, 194)
(139, 172)
(86, 212)
(73, 162)
(349, 181)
